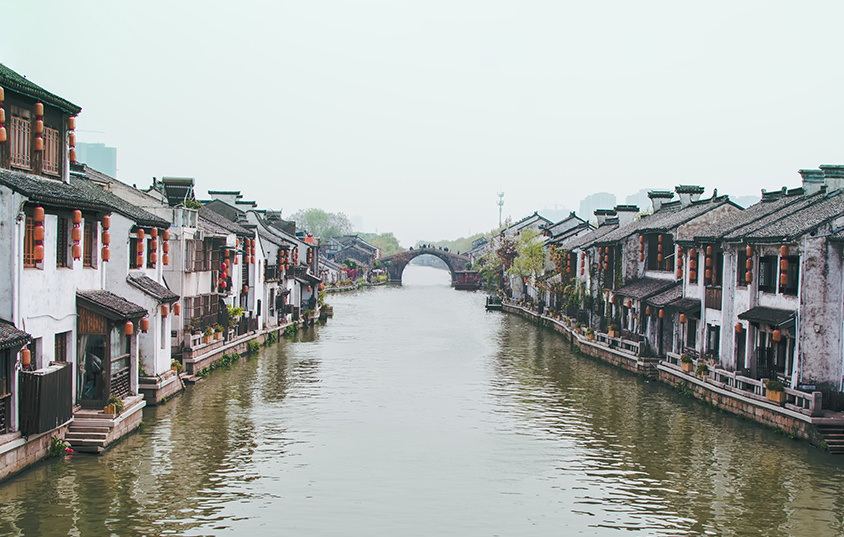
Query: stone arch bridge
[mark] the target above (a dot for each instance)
(395, 264)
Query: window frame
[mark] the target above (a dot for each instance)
(51, 161)
(29, 243)
(89, 239)
(20, 138)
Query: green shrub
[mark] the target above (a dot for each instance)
(117, 402)
(702, 369)
(59, 447)
(252, 347)
(177, 365)
(686, 359)
(774, 386)
(272, 337)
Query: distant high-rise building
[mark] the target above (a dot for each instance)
(640, 199)
(98, 156)
(599, 200)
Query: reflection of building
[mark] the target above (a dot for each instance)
(98, 156)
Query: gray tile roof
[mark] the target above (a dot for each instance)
(666, 297)
(223, 222)
(117, 204)
(669, 217)
(51, 191)
(588, 239)
(112, 306)
(644, 288)
(690, 305)
(13, 81)
(741, 218)
(791, 206)
(11, 336)
(772, 316)
(152, 288)
(788, 228)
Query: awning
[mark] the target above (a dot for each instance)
(644, 288)
(686, 305)
(11, 336)
(152, 288)
(666, 297)
(110, 305)
(772, 316)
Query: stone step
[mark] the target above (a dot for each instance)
(191, 379)
(85, 429)
(71, 436)
(88, 422)
(88, 449)
(83, 442)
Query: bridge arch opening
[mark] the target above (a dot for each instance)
(395, 264)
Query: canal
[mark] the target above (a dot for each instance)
(415, 412)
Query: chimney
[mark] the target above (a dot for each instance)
(658, 197)
(626, 214)
(688, 194)
(602, 215)
(812, 180)
(833, 176)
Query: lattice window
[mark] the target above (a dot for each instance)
(21, 142)
(89, 240)
(133, 253)
(29, 243)
(61, 242)
(61, 347)
(52, 148)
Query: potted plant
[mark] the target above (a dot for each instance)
(176, 366)
(577, 327)
(590, 333)
(218, 332)
(612, 330)
(702, 370)
(207, 335)
(686, 363)
(775, 391)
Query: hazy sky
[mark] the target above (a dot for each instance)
(413, 114)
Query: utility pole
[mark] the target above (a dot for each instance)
(500, 207)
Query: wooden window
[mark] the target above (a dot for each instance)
(792, 276)
(52, 149)
(61, 242)
(133, 253)
(741, 268)
(21, 142)
(667, 252)
(61, 347)
(29, 242)
(768, 273)
(89, 240)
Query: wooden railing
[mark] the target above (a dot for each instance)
(45, 398)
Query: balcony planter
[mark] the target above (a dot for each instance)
(590, 334)
(775, 391)
(702, 371)
(207, 335)
(686, 363)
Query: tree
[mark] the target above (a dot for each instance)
(323, 224)
(386, 242)
(530, 256)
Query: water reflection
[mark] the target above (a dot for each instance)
(415, 412)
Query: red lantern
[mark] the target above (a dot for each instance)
(153, 245)
(106, 254)
(76, 251)
(682, 317)
(692, 275)
(140, 248)
(226, 253)
(748, 251)
(629, 303)
(165, 246)
(783, 264)
(38, 214)
(708, 274)
(692, 253)
(659, 247)
(71, 122)
(709, 250)
(739, 328)
(39, 109)
(153, 258)
(128, 328)
(223, 267)
(748, 264)
(106, 222)
(783, 250)
(708, 261)
(140, 234)
(177, 308)
(144, 325)
(783, 279)
(659, 238)
(235, 260)
(25, 357)
(139, 260)
(748, 277)
(39, 232)
(648, 310)
(39, 253)
(679, 273)
(164, 310)
(659, 258)
(165, 259)
(166, 234)
(641, 257)
(661, 313)
(153, 233)
(777, 335)
(641, 239)
(76, 234)
(72, 155)
(77, 216)
(106, 238)
(252, 260)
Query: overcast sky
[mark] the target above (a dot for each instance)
(413, 114)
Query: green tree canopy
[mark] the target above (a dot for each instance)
(386, 242)
(321, 223)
